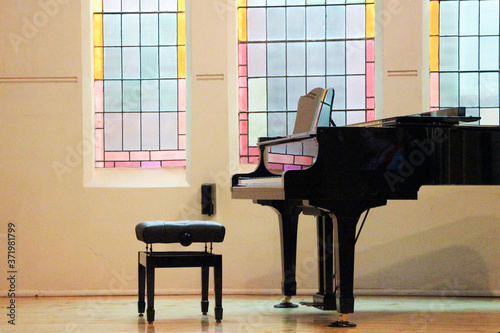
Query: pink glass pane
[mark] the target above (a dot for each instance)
(173, 163)
(370, 79)
(303, 160)
(99, 120)
(243, 144)
(139, 155)
(274, 166)
(253, 160)
(98, 96)
(370, 50)
(243, 100)
(168, 155)
(242, 57)
(242, 71)
(370, 103)
(99, 145)
(117, 156)
(151, 164)
(109, 164)
(243, 127)
(243, 82)
(182, 123)
(280, 158)
(370, 115)
(292, 167)
(253, 151)
(182, 142)
(99, 164)
(182, 95)
(434, 83)
(244, 160)
(243, 116)
(127, 164)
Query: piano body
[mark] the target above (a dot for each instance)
(337, 173)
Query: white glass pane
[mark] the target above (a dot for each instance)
(355, 21)
(448, 18)
(257, 127)
(256, 3)
(316, 22)
(277, 124)
(468, 53)
(316, 62)
(490, 116)
(130, 30)
(111, 5)
(112, 96)
(149, 62)
(113, 131)
(355, 57)
(150, 95)
(168, 62)
(489, 53)
(256, 60)
(149, 5)
(489, 14)
(276, 94)
(257, 95)
(168, 29)
(335, 24)
(469, 17)
(296, 87)
(448, 53)
(130, 5)
(338, 83)
(356, 92)
(256, 24)
(276, 59)
(276, 24)
(335, 58)
(315, 82)
(168, 95)
(296, 23)
(488, 87)
(295, 2)
(149, 29)
(168, 130)
(291, 116)
(296, 59)
(131, 63)
(112, 63)
(355, 117)
(339, 118)
(150, 131)
(168, 5)
(132, 95)
(132, 131)
(276, 2)
(469, 89)
(111, 30)
(448, 89)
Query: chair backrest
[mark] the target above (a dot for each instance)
(314, 110)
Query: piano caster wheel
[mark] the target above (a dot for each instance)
(286, 303)
(342, 322)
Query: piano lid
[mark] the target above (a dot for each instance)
(449, 116)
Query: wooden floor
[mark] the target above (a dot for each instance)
(250, 314)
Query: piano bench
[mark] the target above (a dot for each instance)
(185, 233)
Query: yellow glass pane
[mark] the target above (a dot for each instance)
(181, 62)
(98, 30)
(181, 6)
(370, 1)
(434, 28)
(370, 21)
(98, 63)
(242, 24)
(97, 6)
(181, 29)
(242, 3)
(434, 54)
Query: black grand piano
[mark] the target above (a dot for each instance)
(338, 173)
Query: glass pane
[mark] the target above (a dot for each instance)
(168, 5)
(132, 131)
(130, 30)
(316, 22)
(448, 89)
(168, 62)
(448, 53)
(112, 30)
(112, 96)
(149, 5)
(468, 53)
(355, 56)
(150, 95)
(277, 124)
(149, 62)
(276, 23)
(132, 95)
(469, 17)
(355, 21)
(168, 29)
(355, 92)
(256, 60)
(338, 82)
(448, 18)
(469, 89)
(277, 94)
(257, 94)
(131, 63)
(149, 29)
(316, 62)
(168, 95)
(335, 25)
(130, 5)
(113, 131)
(276, 59)
(489, 14)
(296, 87)
(256, 24)
(257, 127)
(112, 63)
(296, 59)
(489, 89)
(335, 55)
(111, 5)
(150, 127)
(296, 23)
(489, 52)
(168, 131)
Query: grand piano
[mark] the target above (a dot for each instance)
(337, 173)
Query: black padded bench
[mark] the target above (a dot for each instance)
(185, 233)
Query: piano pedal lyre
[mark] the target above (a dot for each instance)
(286, 303)
(342, 322)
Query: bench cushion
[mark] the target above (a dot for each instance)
(184, 232)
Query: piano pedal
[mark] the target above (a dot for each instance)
(286, 303)
(342, 322)
(317, 305)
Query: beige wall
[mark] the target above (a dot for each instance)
(75, 227)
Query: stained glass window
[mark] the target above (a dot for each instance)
(464, 57)
(289, 47)
(139, 83)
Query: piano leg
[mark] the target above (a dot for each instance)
(288, 214)
(325, 298)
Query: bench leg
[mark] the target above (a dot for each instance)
(218, 290)
(142, 288)
(204, 289)
(150, 276)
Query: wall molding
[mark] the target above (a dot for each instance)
(38, 79)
